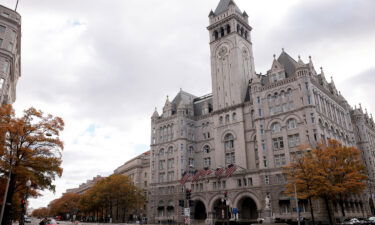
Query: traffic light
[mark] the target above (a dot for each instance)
(181, 203)
(188, 194)
(23, 203)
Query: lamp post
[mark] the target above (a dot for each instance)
(24, 203)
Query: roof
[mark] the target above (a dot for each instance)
(289, 64)
(224, 6)
(184, 97)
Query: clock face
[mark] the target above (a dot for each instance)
(223, 51)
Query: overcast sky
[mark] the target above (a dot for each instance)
(104, 65)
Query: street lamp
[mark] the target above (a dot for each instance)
(24, 202)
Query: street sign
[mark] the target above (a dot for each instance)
(187, 212)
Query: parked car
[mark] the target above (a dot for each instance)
(27, 219)
(351, 221)
(372, 219)
(51, 222)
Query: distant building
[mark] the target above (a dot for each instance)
(138, 170)
(10, 54)
(254, 123)
(85, 186)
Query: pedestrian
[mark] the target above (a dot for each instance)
(43, 221)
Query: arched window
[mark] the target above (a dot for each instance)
(292, 124)
(161, 152)
(275, 128)
(234, 116)
(216, 35)
(220, 120)
(222, 32)
(170, 150)
(206, 149)
(229, 142)
(242, 31)
(246, 34)
(238, 28)
(228, 29)
(289, 93)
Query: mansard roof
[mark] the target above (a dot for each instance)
(184, 97)
(224, 6)
(289, 64)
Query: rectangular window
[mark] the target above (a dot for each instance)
(2, 29)
(1, 42)
(258, 99)
(263, 145)
(10, 46)
(261, 129)
(280, 160)
(250, 181)
(265, 163)
(214, 185)
(260, 112)
(224, 184)
(230, 158)
(191, 162)
(239, 183)
(244, 182)
(278, 143)
(312, 118)
(161, 164)
(309, 100)
(207, 162)
(293, 140)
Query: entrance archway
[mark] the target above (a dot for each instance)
(199, 210)
(221, 211)
(247, 209)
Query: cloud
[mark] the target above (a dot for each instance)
(360, 88)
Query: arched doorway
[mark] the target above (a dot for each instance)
(247, 209)
(199, 210)
(221, 210)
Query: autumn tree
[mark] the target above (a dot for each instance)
(30, 148)
(67, 204)
(40, 213)
(114, 196)
(331, 172)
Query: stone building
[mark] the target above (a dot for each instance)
(85, 186)
(10, 54)
(251, 121)
(138, 169)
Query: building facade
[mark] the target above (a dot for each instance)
(138, 170)
(85, 186)
(10, 54)
(251, 121)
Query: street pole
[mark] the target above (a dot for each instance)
(5, 198)
(297, 208)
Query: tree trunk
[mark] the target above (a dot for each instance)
(117, 211)
(312, 211)
(331, 220)
(341, 201)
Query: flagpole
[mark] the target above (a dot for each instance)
(16, 6)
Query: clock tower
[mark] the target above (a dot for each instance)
(232, 61)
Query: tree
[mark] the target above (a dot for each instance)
(114, 196)
(40, 213)
(331, 172)
(30, 148)
(67, 204)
